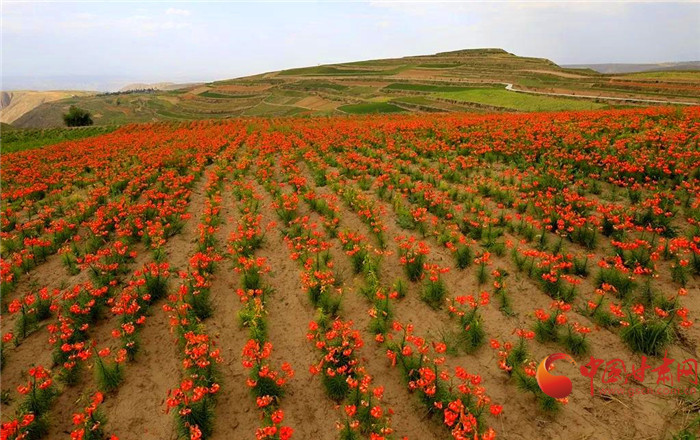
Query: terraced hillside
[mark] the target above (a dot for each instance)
(460, 81)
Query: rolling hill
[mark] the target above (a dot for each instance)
(471, 80)
(14, 104)
(155, 86)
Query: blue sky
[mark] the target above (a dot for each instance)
(83, 44)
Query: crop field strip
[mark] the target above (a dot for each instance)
(418, 242)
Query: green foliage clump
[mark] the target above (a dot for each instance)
(77, 117)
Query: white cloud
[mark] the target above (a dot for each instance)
(175, 11)
(151, 41)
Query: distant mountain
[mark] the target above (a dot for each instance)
(100, 83)
(633, 68)
(40, 82)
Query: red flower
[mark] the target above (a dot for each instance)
(277, 417)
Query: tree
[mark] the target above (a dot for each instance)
(77, 117)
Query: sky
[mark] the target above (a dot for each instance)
(105, 45)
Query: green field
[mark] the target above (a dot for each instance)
(425, 87)
(690, 75)
(439, 65)
(310, 84)
(333, 71)
(520, 101)
(417, 100)
(371, 107)
(210, 94)
(12, 140)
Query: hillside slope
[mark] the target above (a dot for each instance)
(424, 83)
(15, 104)
(155, 86)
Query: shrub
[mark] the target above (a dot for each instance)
(77, 117)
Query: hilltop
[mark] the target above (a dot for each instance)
(471, 80)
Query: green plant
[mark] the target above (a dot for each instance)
(501, 293)
(463, 256)
(621, 281)
(574, 339)
(109, 375)
(413, 261)
(77, 117)
(581, 266)
(649, 336)
(473, 334)
(434, 290)
(400, 288)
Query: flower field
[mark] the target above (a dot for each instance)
(378, 277)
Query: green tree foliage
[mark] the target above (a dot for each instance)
(77, 117)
